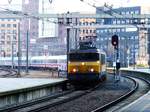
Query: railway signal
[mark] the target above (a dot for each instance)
(114, 41)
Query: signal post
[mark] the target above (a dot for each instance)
(115, 43)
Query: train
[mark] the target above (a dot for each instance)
(86, 65)
(55, 62)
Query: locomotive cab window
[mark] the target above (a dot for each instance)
(83, 56)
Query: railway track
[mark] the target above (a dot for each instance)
(47, 101)
(73, 98)
(7, 73)
(143, 88)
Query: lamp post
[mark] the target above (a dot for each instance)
(19, 50)
(45, 49)
(134, 53)
(12, 54)
(68, 21)
(27, 53)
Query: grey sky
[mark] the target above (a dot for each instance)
(60, 6)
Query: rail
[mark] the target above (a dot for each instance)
(143, 75)
(106, 106)
(9, 73)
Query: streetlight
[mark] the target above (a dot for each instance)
(45, 49)
(27, 53)
(12, 53)
(19, 50)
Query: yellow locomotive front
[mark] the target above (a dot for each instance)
(85, 65)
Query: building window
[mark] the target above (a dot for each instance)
(83, 31)
(2, 37)
(2, 25)
(8, 31)
(93, 31)
(14, 25)
(136, 12)
(136, 37)
(86, 31)
(127, 12)
(97, 31)
(118, 30)
(122, 38)
(123, 30)
(2, 42)
(127, 21)
(14, 31)
(2, 19)
(122, 12)
(132, 37)
(114, 22)
(101, 31)
(113, 30)
(118, 21)
(34, 34)
(8, 37)
(123, 22)
(131, 12)
(8, 42)
(14, 37)
(90, 31)
(8, 25)
(3, 31)
(109, 30)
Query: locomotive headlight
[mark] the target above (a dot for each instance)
(98, 62)
(92, 70)
(82, 63)
(74, 70)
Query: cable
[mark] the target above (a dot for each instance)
(9, 1)
(50, 1)
(27, 15)
(93, 5)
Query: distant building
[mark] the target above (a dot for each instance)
(30, 24)
(47, 27)
(50, 46)
(128, 38)
(85, 33)
(73, 35)
(76, 35)
(8, 37)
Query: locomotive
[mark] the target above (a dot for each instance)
(86, 64)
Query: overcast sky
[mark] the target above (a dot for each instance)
(78, 6)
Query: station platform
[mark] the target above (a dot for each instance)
(140, 105)
(40, 74)
(18, 90)
(11, 85)
(143, 103)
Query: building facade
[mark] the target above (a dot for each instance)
(128, 38)
(29, 24)
(87, 32)
(8, 37)
(77, 35)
